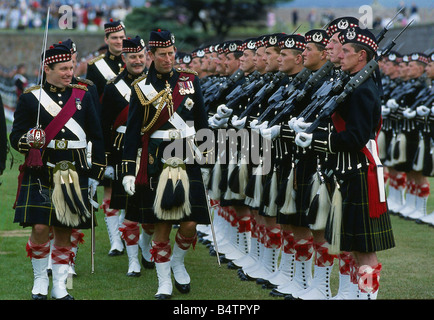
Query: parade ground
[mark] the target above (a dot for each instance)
(407, 268)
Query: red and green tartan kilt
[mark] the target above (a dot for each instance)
(140, 205)
(118, 199)
(360, 232)
(34, 205)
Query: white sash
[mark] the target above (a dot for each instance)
(53, 109)
(105, 70)
(123, 89)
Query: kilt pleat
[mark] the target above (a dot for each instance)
(360, 232)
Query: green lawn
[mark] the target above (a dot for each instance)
(407, 269)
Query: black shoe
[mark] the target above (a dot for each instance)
(162, 296)
(67, 297)
(147, 264)
(115, 252)
(39, 296)
(183, 288)
(133, 274)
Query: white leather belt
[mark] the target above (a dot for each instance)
(67, 144)
(121, 129)
(174, 133)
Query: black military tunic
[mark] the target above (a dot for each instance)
(114, 119)
(34, 205)
(115, 63)
(140, 205)
(361, 112)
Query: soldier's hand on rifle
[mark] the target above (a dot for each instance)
(301, 126)
(223, 111)
(271, 133)
(129, 183)
(423, 111)
(385, 111)
(92, 186)
(238, 124)
(216, 122)
(303, 139)
(109, 172)
(409, 114)
(392, 104)
(258, 128)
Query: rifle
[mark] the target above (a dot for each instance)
(260, 95)
(240, 89)
(354, 83)
(247, 92)
(291, 92)
(237, 75)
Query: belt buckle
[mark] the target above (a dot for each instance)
(60, 144)
(174, 134)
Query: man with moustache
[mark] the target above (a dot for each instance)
(115, 104)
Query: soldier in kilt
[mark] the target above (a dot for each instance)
(166, 110)
(359, 217)
(53, 186)
(115, 103)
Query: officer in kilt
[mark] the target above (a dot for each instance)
(55, 177)
(359, 217)
(166, 110)
(115, 103)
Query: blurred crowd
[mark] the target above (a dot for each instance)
(87, 15)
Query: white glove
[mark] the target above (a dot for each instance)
(409, 114)
(92, 186)
(291, 123)
(385, 110)
(223, 111)
(300, 125)
(423, 111)
(253, 123)
(303, 139)
(271, 133)
(392, 104)
(258, 128)
(216, 122)
(238, 124)
(129, 183)
(109, 172)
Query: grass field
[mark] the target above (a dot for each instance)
(407, 268)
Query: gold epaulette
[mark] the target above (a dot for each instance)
(32, 88)
(78, 86)
(101, 56)
(84, 80)
(138, 80)
(186, 70)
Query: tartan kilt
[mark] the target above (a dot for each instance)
(118, 198)
(34, 205)
(304, 171)
(140, 205)
(360, 232)
(284, 169)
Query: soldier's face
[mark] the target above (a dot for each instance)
(60, 75)
(259, 59)
(287, 60)
(196, 65)
(350, 59)
(135, 62)
(164, 59)
(231, 64)
(271, 55)
(334, 47)
(246, 61)
(114, 41)
(415, 69)
(312, 57)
